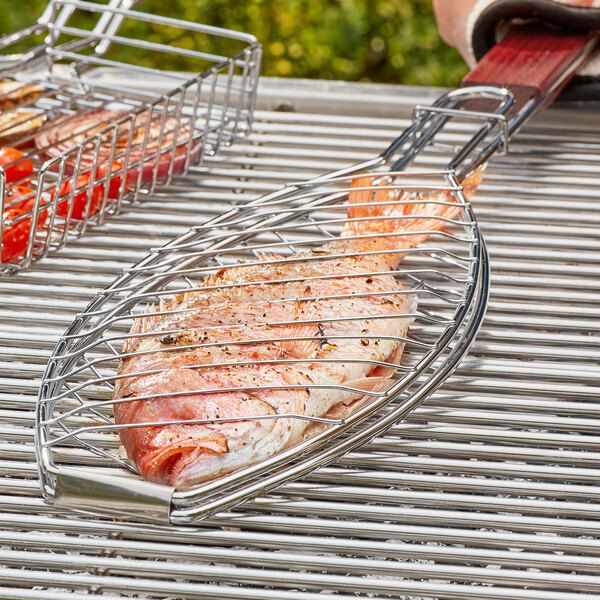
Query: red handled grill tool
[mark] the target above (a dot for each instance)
(533, 61)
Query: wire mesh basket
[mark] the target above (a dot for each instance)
(322, 313)
(87, 144)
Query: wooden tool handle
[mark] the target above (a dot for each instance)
(530, 60)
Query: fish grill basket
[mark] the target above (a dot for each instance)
(444, 281)
(62, 76)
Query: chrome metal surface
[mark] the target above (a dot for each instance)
(79, 130)
(489, 490)
(92, 492)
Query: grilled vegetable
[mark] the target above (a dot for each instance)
(81, 194)
(116, 170)
(15, 164)
(16, 224)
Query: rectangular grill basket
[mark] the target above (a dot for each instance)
(78, 175)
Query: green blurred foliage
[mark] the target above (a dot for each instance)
(389, 41)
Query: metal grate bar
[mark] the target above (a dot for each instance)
(488, 491)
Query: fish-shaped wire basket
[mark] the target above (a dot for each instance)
(440, 286)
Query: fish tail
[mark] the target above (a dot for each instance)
(376, 210)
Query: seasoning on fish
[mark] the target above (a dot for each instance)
(294, 332)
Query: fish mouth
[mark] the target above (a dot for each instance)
(165, 465)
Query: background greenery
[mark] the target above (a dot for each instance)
(389, 41)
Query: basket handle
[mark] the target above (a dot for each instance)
(533, 61)
(109, 23)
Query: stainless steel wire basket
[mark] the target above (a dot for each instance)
(77, 442)
(129, 139)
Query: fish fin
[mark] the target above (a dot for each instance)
(168, 305)
(268, 256)
(239, 272)
(361, 194)
(428, 213)
(164, 306)
(303, 348)
(215, 279)
(371, 384)
(350, 405)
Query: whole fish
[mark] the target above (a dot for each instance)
(291, 330)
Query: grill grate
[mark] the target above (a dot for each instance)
(487, 491)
